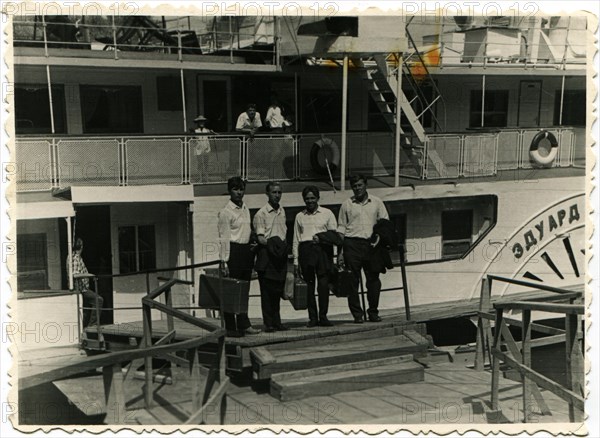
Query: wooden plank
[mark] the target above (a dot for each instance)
(570, 309)
(573, 373)
(216, 396)
(262, 356)
(374, 406)
(357, 379)
(496, 362)
(292, 375)
(534, 326)
(344, 353)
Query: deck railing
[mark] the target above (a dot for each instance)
(43, 163)
(519, 358)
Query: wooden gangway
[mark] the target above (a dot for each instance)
(208, 384)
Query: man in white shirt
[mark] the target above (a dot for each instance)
(237, 257)
(358, 215)
(275, 118)
(249, 121)
(271, 259)
(312, 258)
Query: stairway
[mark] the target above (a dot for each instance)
(383, 87)
(325, 366)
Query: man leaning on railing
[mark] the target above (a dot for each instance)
(77, 267)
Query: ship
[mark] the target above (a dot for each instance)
(472, 130)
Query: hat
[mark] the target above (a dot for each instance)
(200, 118)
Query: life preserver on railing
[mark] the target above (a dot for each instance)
(321, 149)
(542, 155)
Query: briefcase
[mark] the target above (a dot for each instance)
(234, 296)
(341, 283)
(300, 297)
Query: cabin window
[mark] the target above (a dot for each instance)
(32, 109)
(137, 248)
(496, 108)
(111, 109)
(457, 226)
(168, 93)
(32, 262)
(573, 111)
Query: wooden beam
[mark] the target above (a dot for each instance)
(574, 375)
(112, 377)
(496, 363)
(182, 315)
(570, 309)
(529, 284)
(534, 326)
(220, 393)
(514, 350)
(542, 380)
(526, 361)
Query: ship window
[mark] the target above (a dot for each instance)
(496, 108)
(111, 109)
(32, 109)
(137, 248)
(457, 228)
(573, 111)
(32, 262)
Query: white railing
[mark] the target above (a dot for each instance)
(483, 154)
(43, 163)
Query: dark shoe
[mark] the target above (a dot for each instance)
(269, 329)
(281, 328)
(358, 320)
(325, 323)
(312, 323)
(251, 331)
(374, 318)
(234, 334)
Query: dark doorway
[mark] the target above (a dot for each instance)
(92, 224)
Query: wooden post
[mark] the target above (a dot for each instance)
(404, 281)
(483, 325)
(496, 362)
(147, 319)
(169, 302)
(114, 395)
(526, 361)
(573, 371)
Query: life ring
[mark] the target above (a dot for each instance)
(321, 149)
(548, 156)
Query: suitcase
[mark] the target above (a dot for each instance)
(234, 297)
(300, 297)
(341, 283)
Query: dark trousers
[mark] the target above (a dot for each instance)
(89, 304)
(241, 262)
(356, 257)
(271, 292)
(315, 271)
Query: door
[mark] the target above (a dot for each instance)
(530, 95)
(92, 224)
(214, 102)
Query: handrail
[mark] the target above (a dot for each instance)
(570, 309)
(528, 283)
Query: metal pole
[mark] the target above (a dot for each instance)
(296, 101)
(398, 117)
(482, 100)
(45, 36)
(183, 100)
(50, 98)
(344, 123)
(562, 96)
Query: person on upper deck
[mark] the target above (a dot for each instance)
(313, 253)
(201, 146)
(236, 254)
(75, 265)
(249, 121)
(275, 118)
(358, 215)
(272, 256)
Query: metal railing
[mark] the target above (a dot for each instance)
(43, 163)
(137, 33)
